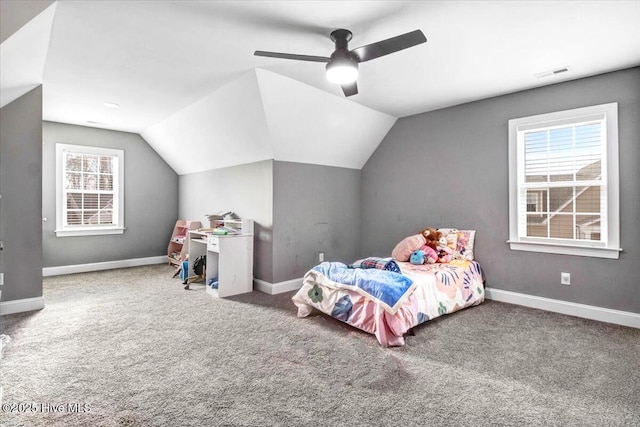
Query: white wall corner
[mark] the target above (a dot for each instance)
(618, 317)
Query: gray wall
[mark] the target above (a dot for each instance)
(21, 202)
(14, 14)
(150, 205)
(450, 168)
(246, 190)
(315, 209)
(298, 209)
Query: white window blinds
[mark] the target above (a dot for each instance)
(563, 182)
(563, 188)
(89, 190)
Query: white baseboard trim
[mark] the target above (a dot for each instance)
(277, 288)
(21, 305)
(624, 318)
(107, 265)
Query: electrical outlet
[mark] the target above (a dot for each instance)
(321, 256)
(565, 279)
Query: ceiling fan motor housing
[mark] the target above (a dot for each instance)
(342, 57)
(341, 38)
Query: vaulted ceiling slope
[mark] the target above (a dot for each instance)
(263, 115)
(309, 125)
(23, 54)
(178, 69)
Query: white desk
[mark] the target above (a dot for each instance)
(229, 261)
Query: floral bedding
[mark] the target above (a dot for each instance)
(429, 291)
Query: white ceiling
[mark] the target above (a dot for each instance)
(157, 59)
(264, 115)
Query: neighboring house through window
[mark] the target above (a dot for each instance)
(563, 182)
(89, 190)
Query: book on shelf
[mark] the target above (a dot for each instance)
(205, 230)
(226, 230)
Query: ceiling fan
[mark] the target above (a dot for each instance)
(342, 65)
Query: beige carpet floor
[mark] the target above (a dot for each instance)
(131, 347)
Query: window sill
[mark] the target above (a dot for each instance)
(89, 232)
(611, 253)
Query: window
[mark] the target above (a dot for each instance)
(89, 190)
(563, 182)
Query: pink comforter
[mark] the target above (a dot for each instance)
(440, 289)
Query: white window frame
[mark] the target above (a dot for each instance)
(64, 230)
(610, 246)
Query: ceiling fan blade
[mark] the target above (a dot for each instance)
(291, 56)
(350, 89)
(385, 47)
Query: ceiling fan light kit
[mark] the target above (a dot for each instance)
(342, 71)
(342, 66)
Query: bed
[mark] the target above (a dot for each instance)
(388, 297)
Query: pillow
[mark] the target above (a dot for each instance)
(403, 250)
(464, 249)
(464, 239)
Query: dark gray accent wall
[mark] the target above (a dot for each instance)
(315, 209)
(450, 168)
(21, 201)
(150, 204)
(246, 190)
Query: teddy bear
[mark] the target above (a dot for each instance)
(445, 253)
(431, 236)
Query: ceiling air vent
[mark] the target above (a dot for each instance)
(551, 72)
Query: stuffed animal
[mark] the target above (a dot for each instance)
(430, 254)
(404, 249)
(431, 235)
(445, 253)
(417, 257)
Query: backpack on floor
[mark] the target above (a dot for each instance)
(199, 265)
(184, 270)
